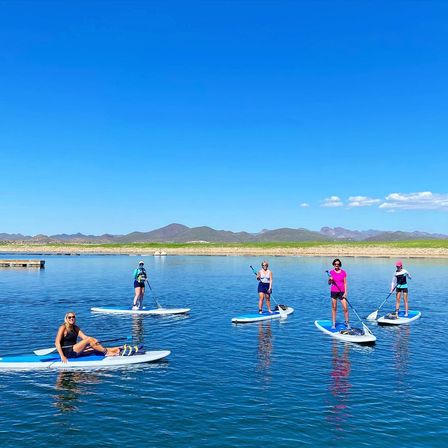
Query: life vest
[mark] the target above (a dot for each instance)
(141, 276)
(401, 279)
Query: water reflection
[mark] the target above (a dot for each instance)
(401, 352)
(340, 385)
(70, 386)
(138, 329)
(264, 345)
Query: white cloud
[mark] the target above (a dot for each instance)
(362, 201)
(304, 204)
(424, 200)
(332, 201)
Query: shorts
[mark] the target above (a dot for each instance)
(263, 287)
(138, 284)
(70, 353)
(336, 295)
(402, 289)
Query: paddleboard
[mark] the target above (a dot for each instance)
(144, 310)
(256, 317)
(357, 335)
(53, 361)
(389, 320)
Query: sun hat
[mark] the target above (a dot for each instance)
(141, 262)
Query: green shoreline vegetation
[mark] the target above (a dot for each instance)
(407, 244)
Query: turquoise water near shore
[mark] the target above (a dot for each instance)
(278, 383)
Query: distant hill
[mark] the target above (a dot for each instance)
(286, 234)
(179, 233)
(339, 233)
(405, 236)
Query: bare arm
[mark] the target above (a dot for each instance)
(57, 343)
(393, 284)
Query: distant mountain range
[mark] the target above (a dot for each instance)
(178, 233)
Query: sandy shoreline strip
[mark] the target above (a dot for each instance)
(319, 251)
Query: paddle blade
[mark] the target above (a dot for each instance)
(366, 328)
(282, 312)
(44, 351)
(373, 316)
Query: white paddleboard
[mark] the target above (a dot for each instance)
(256, 317)
(144, 310)
(53, 361)
(357, 335)
(401, 319)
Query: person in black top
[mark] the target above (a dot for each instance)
(140, 277)
(67, 344)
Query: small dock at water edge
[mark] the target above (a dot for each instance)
(22, 264)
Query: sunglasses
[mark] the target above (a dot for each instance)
(264, 265)
(71, 317)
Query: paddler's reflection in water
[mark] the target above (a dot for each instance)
(138, 329)
(70, 386)
(401, 348)
(264, 345)
(340, 385)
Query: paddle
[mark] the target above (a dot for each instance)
(47, 351)
(154, 296)
(366, 328)
(282, 312)
(374, 315)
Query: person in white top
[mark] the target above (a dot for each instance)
(264, 277)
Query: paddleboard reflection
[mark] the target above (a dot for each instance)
(71, 386)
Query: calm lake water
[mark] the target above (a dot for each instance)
(275, 383)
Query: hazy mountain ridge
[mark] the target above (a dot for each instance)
(179, 233)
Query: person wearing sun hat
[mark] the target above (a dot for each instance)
(399, 282)
(140, 278)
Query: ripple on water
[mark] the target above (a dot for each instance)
(277, 383)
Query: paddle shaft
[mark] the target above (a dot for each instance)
(51, 350)
(384, 301)
(154, 296)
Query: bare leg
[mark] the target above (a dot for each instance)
(91, 344)
(345, 308)
(397, 303)
(260, 301)
(406, 306)
(136, 296)
(140, 299)
(334, 308)
(268, 302)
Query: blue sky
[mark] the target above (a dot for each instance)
(240, 115)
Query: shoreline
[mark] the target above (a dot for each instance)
(315, 251)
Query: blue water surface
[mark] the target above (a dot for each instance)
(276, 383)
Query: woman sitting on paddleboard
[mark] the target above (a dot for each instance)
(264, 277)
(67, 337)
(399, 282)
(338, 291)
(140, 278)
